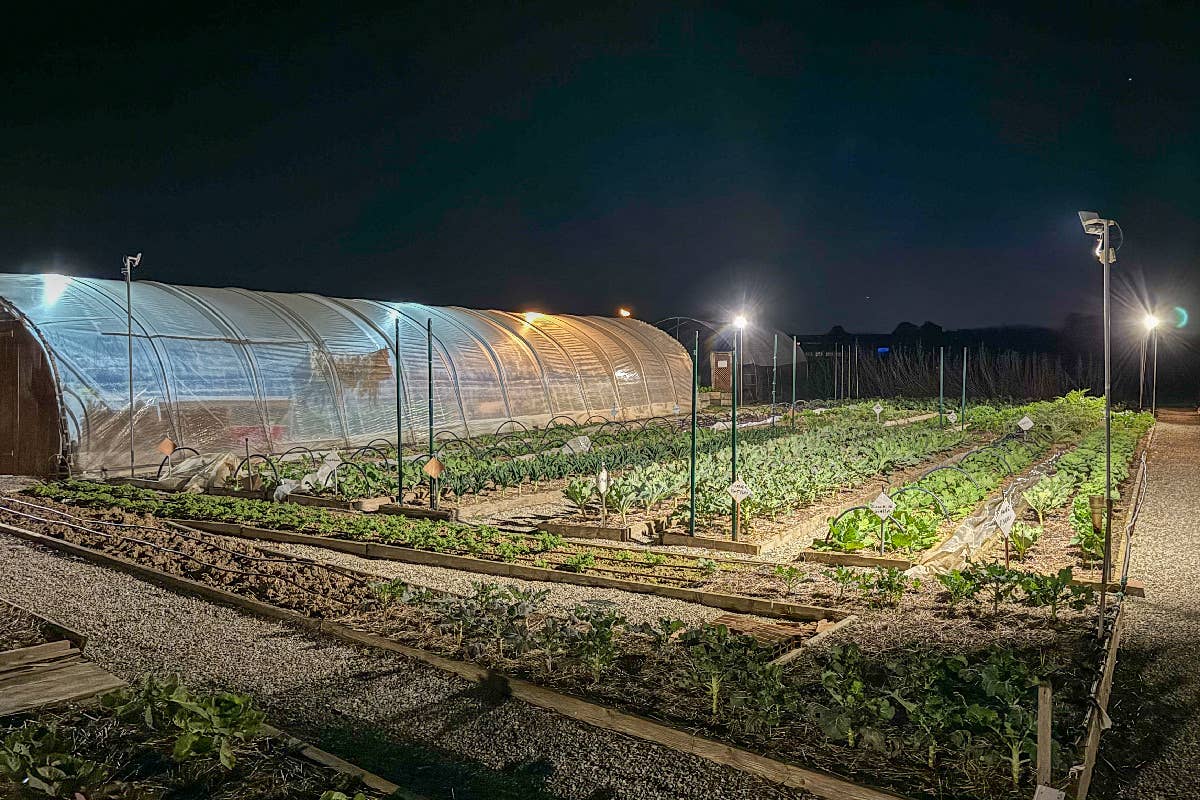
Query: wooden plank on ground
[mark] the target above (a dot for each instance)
(73, 682)
(37, 652)
(1082, 774)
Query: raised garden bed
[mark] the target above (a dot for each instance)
(159, 739)
(778, 720)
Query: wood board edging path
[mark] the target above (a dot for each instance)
(728, 602)
(819, 783)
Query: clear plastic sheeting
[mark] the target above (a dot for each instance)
(228, 369)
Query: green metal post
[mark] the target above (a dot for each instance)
(941, 387)
(737, 338)
(962, 416)
(433, 484)
(774, 367)
(794, 379)
(692, 464)
(399, 421)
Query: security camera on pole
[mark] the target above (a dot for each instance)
(1093, 225)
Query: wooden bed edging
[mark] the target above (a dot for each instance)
(817, 638)
(325, 759)
(57, 628)
(819, 783)
(1097, 716)
(337, 503)
(728, 602)
(634, 531)
(727, 545)
(416, 512)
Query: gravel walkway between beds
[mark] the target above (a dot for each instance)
(1153, 750)
(410, 723)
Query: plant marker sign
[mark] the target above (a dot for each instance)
(1025, 423)
(738, 490)
(878, 409)
(1005, 517)
(602, 489)
(883, 506)
(952, 416)
(166, 447)
(433, 467)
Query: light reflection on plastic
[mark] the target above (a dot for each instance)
(1181, 317)
(53, 286)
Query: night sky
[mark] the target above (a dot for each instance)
(822, 166)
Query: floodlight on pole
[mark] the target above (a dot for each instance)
(1093, 225)
(130, 263)
(739, 324)
(1150, 321)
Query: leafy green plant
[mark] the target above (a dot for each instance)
(204, 724)
(959, 586)
(1053, 590)
(36, 757)
(845, 578)
(853, 710)
(791, 576)
(1022, 537)
(1049, 493)
(580, 562)
(579, 492)
(707, 566)
(886, 586)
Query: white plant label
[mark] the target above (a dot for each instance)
(878, 409)
(1025, 423)
(602, 481)
(677, 408)
(883, 506)
(1047, 793)
(952, 416)
(722, 364)
(738, 490)
(580, 444)
(1005, 517)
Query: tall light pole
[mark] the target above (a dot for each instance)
(1100, 228)
(1151, 324)
(130, 263)
(739, 323)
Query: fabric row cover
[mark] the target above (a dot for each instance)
(220, 369)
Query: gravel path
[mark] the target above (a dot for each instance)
(1154, 747)
(408, 722)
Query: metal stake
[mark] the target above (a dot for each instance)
(692, 462)
(737, 340)
(963, 411)
(399, 421)
(433, 484)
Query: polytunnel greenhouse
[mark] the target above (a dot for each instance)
(225, 369)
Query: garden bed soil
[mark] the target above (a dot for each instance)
(19, 628)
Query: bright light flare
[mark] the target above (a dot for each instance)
(1150, 321)
(624, 312)
(739, 322)
(53, 287)
(533, 316)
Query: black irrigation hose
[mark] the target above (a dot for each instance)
(167, 459)
(189, 537)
